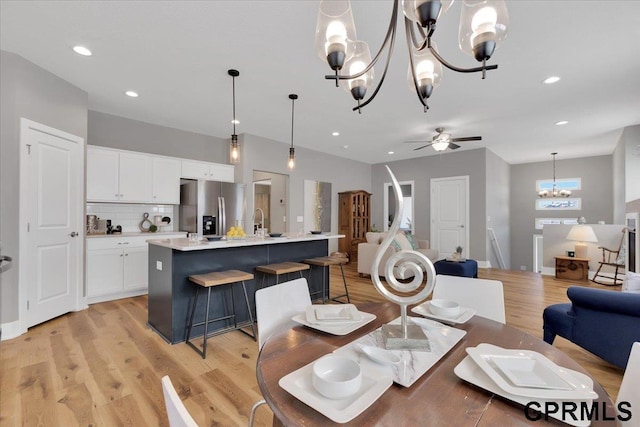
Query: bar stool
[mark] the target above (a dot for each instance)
(208, 281)
(280, 269)
(328, 261)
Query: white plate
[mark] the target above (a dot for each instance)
(485, 354)
(298, 383)
(525, 371)
(469, 371)
(332, 314)
(464, 315)
(413, 363)
(333, 328)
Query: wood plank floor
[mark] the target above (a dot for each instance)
(102, 366)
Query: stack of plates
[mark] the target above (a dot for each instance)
(336, 319)
(525, 376)
(463, 316)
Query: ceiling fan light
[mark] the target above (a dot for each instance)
(439, 145)
(425, 12)
(483, 25)
(335, 29)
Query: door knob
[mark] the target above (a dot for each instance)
(73, 234)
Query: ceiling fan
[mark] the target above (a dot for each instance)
(441, 141)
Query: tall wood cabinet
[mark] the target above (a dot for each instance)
(353, 220)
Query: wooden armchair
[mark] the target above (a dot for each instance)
(611, 259)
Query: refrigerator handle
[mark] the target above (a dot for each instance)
(224, 213)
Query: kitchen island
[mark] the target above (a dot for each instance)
(172, 261)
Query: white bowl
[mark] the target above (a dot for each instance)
(336, 377)
(443, 307)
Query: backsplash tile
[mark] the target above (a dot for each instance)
(129, 216)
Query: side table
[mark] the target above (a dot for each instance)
(571, 268)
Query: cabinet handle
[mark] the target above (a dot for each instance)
(73, 234)
(126, 254)
(120, 254)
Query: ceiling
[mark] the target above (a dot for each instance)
(176, 54)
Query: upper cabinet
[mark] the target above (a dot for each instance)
(208, 171)
(129, 177)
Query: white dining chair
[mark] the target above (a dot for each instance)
(486, 297)
(275, 306)
(176, 411)
(630, 388)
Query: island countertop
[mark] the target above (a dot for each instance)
(184, 244)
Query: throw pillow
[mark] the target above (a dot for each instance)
(412, 241)
(400, 242)
(373, 237)
(631, 282)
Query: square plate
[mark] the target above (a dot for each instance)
(469, 371)
(333, 313)
(298, 384)
(525, 371)
(485, 354)
(462, 317)
(334, 328)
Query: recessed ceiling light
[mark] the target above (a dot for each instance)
(235, 122)
(131, 93)
(551, 80)
(390, 152)
(345, 146)
(81, 50)
(561, 122)
(335, 133)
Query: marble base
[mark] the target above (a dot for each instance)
(394, 339)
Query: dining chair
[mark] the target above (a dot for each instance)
(275, 306)
(176, 411)
(486, 297)
(630, 387)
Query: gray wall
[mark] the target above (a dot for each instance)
(107, 130)
(618, 170)
(31, 92)
(279, 189)
(632, 168)
(498, 213)
(422, 170)
(596, 194)
(262, 154)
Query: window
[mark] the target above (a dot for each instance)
(561, 184)
(570, 204)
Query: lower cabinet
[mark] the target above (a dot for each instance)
(117, 267)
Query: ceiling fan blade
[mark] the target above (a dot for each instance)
(414, 142)
(424, 146)
(453, 146)
(467, 138)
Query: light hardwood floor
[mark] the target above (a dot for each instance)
(102, 366)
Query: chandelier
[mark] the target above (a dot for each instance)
(483, 25)
(554, 189)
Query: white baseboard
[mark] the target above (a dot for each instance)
(11, 330)
(484, 264)
(551, 271)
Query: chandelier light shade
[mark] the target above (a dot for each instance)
(554, 189)
(234, 149)
(483, 25)
(582, 233)
(292, 151)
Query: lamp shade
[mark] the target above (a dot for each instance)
(582, 233)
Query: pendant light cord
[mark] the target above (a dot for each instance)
(293, 101)
(234, 103)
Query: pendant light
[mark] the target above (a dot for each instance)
(554, 189)
(292, 151)
(234, 154)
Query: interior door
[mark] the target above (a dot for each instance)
(450, 214)
(52, 194)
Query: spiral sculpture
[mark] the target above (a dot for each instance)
(401, 263)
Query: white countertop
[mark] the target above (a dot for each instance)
(137, 233)
(183, 244)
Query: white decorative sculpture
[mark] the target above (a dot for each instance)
(403, 336)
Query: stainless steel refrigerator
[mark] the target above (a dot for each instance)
(211, 207)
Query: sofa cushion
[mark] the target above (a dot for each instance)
(375, 237)
(400, 242)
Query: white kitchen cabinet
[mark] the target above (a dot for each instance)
(208, 171)
(118, 176)
(118, 267)
(166, 180)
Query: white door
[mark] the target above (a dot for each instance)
(104, 271)
(135, 178)
(136, 268)
(450, 215)
(102, 175)
(166, 180)
(51, 192)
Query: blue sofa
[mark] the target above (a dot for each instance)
(604, 322)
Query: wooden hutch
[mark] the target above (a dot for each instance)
(354, 220)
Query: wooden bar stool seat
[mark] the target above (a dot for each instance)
(209, 281)
(328, 261)
(281, 268)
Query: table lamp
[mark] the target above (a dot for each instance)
(581, 234)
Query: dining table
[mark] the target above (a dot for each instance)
(438, 398)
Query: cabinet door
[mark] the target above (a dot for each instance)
(102, 175)
(195, 170)
(135, 178)
(104, 272)
(166, 180)
(220, 172)
(136, 266)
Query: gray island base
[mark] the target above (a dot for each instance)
(172, 261)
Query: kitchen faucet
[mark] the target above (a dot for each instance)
(261, 229)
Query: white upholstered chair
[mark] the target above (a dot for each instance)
(630, 387)
(486, 297)
(275, 306)
(176, 411)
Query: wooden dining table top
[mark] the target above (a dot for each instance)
(438, 398)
